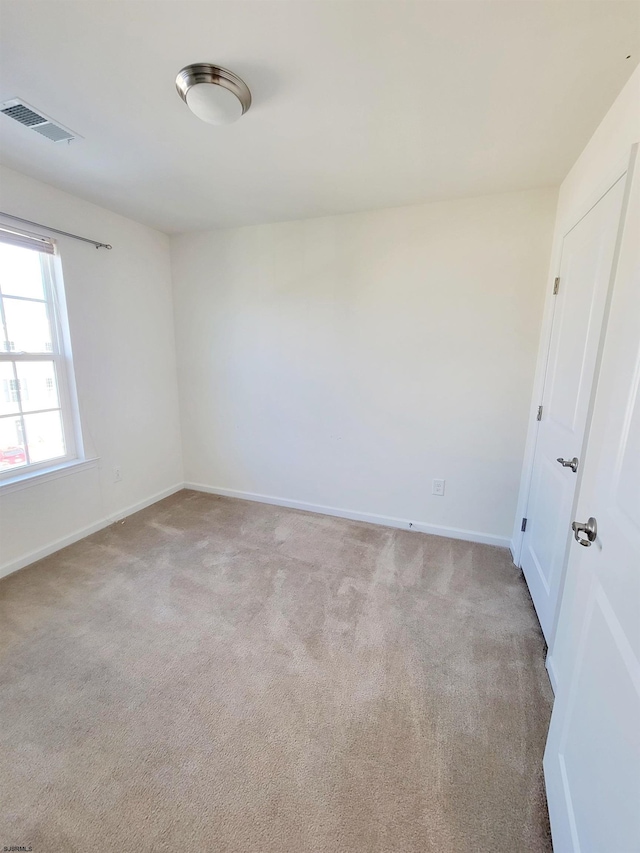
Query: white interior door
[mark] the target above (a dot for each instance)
(584, 279)
(592, 759)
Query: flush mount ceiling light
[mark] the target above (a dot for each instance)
(214, 94)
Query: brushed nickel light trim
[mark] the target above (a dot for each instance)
(204, 72)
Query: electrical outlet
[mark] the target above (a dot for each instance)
(438, 488)
(117, 474)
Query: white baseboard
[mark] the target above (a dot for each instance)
(45, 551)
(355, 515)
(552, 673)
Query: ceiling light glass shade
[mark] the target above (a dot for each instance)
(212, 93)
(213, 104)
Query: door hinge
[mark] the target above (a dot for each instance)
(556, 286)
(523, 526)
(539, 417)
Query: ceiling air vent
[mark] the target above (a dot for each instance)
(33, 119)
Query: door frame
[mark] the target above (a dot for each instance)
(622, 169)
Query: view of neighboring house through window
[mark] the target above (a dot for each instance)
(36, 420)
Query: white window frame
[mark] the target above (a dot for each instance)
(61, 356)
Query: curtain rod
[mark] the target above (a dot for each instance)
(57, 231)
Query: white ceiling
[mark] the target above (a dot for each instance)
(356, 105)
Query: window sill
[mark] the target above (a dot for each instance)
(35, 478)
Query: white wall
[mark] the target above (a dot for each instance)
(121, 320)
(345, 362)
(603, 160)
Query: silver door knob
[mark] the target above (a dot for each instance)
(569, 463)
(590, 528)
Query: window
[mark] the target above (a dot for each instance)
(12, 388)
(37, 421)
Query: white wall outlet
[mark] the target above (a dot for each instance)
(117, 474)
(438, 488)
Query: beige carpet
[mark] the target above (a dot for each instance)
(214, 675)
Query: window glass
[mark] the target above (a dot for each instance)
(27, 323)
(8, 391)
(34, 396)
(38, 386)
(20, 272)
(45, 438)
(12, 445)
